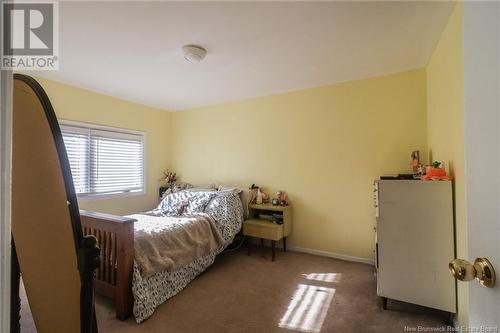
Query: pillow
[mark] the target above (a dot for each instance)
(227, 211)
(171, 203)
(193, 202)
(198, 202)
(180, 186)
(245, 196)
(228, 188)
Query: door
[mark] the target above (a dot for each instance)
(482, 151)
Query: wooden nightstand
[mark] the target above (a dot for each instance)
(265, 229)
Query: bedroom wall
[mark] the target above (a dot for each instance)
(445, 126)
(324, 146)
(71, 103)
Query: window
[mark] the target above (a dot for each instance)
(104, 161)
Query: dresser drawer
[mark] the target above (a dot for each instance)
(263, 229)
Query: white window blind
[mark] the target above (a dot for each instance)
(104, 161)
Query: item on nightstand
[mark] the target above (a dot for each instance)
(282, 198)
(265, 197)
(162, 192)
(279, 196)
(284, 202)
(275, 202)
(169, 177)
(268, 217)
(252, 193)
(257, 195)
(258, 199)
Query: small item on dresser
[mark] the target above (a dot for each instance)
(436, 171)
(415, 160)
(421, 170)
(276, 202)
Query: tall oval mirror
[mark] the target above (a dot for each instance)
(55, 260)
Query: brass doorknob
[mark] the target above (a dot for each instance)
(482, 270)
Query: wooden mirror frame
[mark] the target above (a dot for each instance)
(87, 252)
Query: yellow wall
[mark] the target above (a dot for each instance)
(324, 146)
(445, 125)
(71, 103)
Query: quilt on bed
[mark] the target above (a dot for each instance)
(226, 210)
(170, 243)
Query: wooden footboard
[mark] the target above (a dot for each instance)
(115, 238)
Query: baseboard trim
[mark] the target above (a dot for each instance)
(332, 255)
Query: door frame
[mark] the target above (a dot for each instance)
(5, 187)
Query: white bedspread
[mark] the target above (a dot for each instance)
(172, 242)
(149, 292)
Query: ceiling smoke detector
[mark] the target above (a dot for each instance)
(194, 53)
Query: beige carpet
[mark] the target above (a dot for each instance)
(297, 292)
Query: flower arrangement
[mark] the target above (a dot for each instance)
(169, 177)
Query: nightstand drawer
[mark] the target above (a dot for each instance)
(263, 229)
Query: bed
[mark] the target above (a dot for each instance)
(133, 271)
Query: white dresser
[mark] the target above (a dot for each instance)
(415, 242)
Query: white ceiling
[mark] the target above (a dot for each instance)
(132, 50)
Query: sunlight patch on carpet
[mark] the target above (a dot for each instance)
(307, 309)
(325, 277)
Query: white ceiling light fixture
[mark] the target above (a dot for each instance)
(194, 53)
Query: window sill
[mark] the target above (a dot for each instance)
(106, 196)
